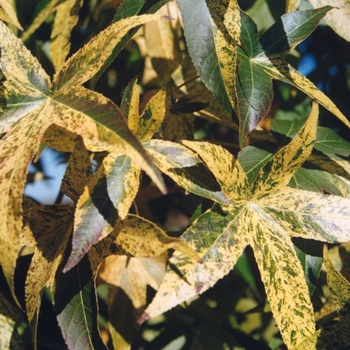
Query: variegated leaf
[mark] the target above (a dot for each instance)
(185, 168)
(212, 32)
(47, 229)
(216, 240)
(65, 20)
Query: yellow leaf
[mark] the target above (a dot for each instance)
(7, 326)
(67, 15)
(227, 171)
(162, 41)
(282, 274)
(141, 238)
(131, 107)
(8, 13)
(279, 70)
(339, 18)
(152, 117)
(277, 173)
(292, 5)
(85, 63)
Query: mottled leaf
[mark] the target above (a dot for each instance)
(75, 305)
(185, 168)
(339, 18)
(214, 238)
(278, 171)
(212, 32)
(85, 63)
(141, 238)
(281, 273)
(47, 229)
(106, 197)
(65, 20)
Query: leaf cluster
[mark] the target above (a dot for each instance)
(269, 200)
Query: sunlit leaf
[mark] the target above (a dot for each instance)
(212, 32)
(141, 238)
(76, 307)
(66, 18)
(339, 18)
(8, 13)
(264, 217)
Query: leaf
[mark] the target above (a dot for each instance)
(338, 285)
(329, 142)
(128, 8)
(8, 13)
(265, 217)
(292, 5)
(65, 20)
(128, 281)
(85, 63)
(102, 125)
(185, 168)
(261, 61)
(48, 229)
(106, 197)
(40, 19)
(290, 302)
(78, 172)
(339, 18)
(278, 171)
(212, 32)
(75, 305)
(213, 238)
(320, 181)
(141, 238)
(152, 117)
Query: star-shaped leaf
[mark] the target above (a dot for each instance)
(265, 215)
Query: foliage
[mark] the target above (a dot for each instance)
(100, 266)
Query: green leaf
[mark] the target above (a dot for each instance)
(260, 62)
(329, 142)
(320, 181)
(212, 32)
(76, 307)
(290, 30)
